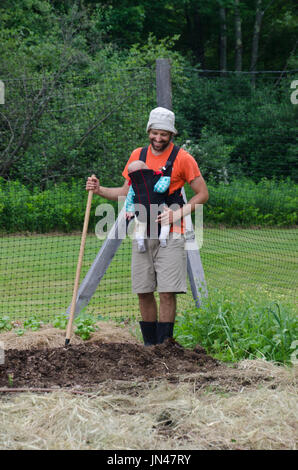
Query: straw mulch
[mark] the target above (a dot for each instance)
(159, 415)
(49, 337)
(249, 405)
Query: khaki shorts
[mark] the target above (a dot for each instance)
(159, 269)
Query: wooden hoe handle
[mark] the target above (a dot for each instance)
(78, 272)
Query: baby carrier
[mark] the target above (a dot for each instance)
(143, 182)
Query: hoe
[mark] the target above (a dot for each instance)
(78, 272)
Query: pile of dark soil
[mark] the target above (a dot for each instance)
(86, 365)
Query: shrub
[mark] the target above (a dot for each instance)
(243, 202)
(61, 207)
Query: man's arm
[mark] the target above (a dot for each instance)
(201, 196)
(198, 185)
(108, 193)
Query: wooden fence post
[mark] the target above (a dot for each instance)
(163, 83)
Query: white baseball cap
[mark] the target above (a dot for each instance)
(163, 119)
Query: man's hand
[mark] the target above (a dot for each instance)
(92, 184)
(168, 216)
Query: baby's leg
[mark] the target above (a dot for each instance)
(140, 233)
(164, 233)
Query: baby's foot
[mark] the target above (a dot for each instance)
(141, 247)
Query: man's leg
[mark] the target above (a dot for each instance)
(171, 269)
(152, 331)
(167, 308)
(167, 314)
(148, 309)
(144, 284)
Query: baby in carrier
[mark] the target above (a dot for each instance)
(146, 187)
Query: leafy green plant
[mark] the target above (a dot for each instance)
(33, 323)
(60, 321)
(10, 380)
(5, 323)
(85, 325)
(19, 331)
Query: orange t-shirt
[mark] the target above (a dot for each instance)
(185, 168)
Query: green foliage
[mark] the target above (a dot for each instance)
(246, 203)
(212, 155)
(33, 323)
(86, 126)
(80, 84)
(60, 321)
(69, 102)
(19, 331)
(34, 25)
(10, 380)
(232, 330)
(197, 22)
(252, 130)
(85, 325)
(62, 207)
(121, 23)
(5, 323)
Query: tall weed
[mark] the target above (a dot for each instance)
(232, 330)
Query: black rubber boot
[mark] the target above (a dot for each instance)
(149, 332)
(164, 331)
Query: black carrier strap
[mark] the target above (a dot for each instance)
(143, 154)
(167, 169)
(176, 197)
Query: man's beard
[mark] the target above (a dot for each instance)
(162, 146)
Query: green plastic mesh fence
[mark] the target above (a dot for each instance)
(82, 128)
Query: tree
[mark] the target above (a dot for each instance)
(261, 8)
(223, 40)
(238, 37)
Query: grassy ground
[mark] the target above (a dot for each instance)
(37, 271)
(37, 275)
(246, 258)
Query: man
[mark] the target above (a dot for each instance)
(161, 269)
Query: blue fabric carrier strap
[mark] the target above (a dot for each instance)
(167, 169)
